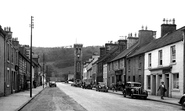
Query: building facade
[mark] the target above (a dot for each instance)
(2, 63)
(164, 62)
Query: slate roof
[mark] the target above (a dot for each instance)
(125, 52)
(107, 55)
(161, 42)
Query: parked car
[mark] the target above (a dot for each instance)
(101, 87)
(52, 84)
(87, 85)
(134, 89)
(182, 102)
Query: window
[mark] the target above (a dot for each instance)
(12, 54)
(149, 60)
(139, 62)
(134, 78)
(129, 64)
(128, 78)
(7, 77)
(119, 64)
(139, 78)
(109, 67)
(112, 79)
(176, 81)
(173, 54)
(148, 82)
(78, 67)
(8, 50)
(160, 57)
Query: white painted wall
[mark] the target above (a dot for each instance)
(176, 68)
(105, 73)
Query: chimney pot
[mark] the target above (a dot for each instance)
(173, 21)
(146, 28)
(164, 21)
(170, 21)
(142, 27)
(167, 21)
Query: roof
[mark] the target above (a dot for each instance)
(107, 55)
(125, 52)
(161, 42)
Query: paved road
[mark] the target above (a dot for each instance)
(68, 98)
(100, 101)
(53, 99)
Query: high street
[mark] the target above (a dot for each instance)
(68, 98)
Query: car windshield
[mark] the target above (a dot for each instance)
(101, 83)
(135, 85)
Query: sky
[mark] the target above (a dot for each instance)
(60, 23)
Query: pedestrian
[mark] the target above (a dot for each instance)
(162, 89)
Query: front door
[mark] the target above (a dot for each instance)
(167, 85)
(154, 85)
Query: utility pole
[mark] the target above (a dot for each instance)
(43, 70)
(32, 26)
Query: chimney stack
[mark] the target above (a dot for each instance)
(167, 26)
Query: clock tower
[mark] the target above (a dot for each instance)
(78, 62)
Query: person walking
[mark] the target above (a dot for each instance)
(162, 89)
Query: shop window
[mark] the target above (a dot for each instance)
(176, 81)
(148, 82)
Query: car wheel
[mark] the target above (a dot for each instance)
(132, 96)
(145, 98)
(183, 104)
(124, 94)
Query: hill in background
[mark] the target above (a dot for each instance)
(60, 60)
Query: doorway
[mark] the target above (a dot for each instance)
(154, 85)
(167, 85)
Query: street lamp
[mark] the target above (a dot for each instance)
(32, 26)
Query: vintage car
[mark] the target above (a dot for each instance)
(87, 85)
(182, 102)
(52, 84)
(134, 89)
(101, 87)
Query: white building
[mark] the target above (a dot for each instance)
(105, 74)
(164, 61)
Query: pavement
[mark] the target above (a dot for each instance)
(16, 101)
(168, 100)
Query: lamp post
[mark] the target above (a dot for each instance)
(32, 26)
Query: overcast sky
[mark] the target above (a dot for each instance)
(89, 22)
